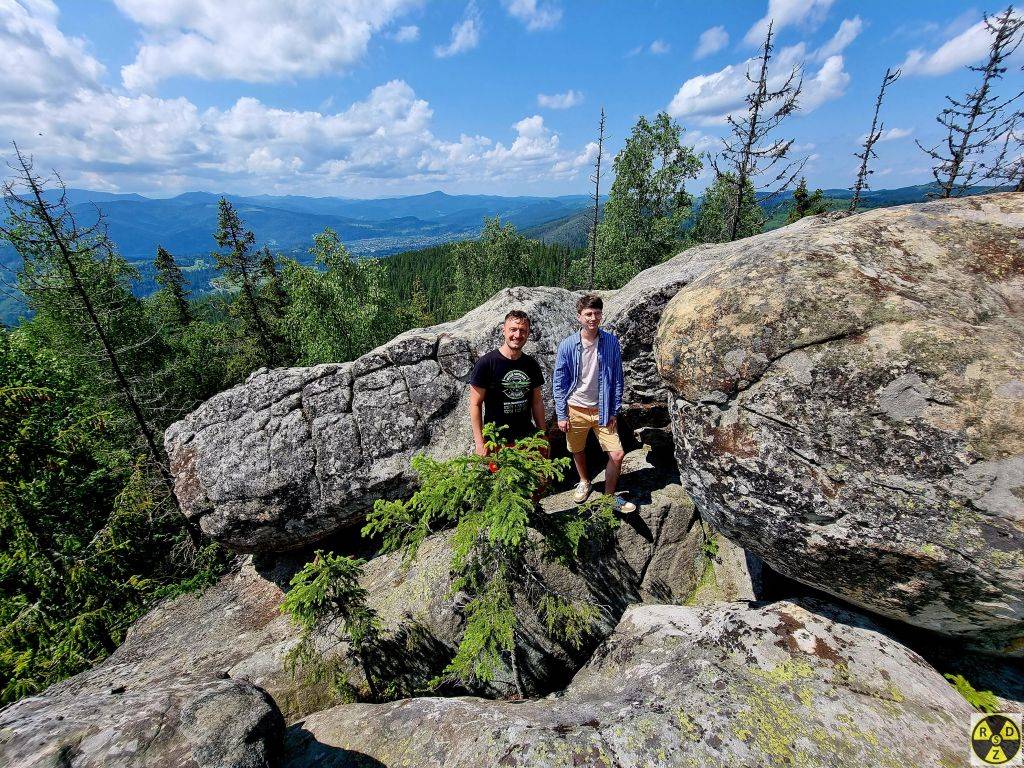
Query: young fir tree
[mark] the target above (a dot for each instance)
(240, 262)
(751, 152)
(976, 123)
(715, 219)
(806, 203)
(172, 288)
(647, 203)
(868, 152)
(326, 600)
(499, 535)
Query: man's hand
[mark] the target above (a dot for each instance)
(480, 449)
(563, 425)
(612, 422)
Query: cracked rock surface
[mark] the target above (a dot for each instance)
(849, 406)
(790, 683)
(182, 689)
(294, 454)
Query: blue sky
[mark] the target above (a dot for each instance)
(369, 98)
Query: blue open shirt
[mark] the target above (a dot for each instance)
(609, 370)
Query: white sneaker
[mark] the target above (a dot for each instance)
(581, 492)
(624, 507)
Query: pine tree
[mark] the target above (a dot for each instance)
(750, 153)
(714, 220)
(596, 178)
(976, 122)
(866, 154)
(806, 203)
(80, 289)
(172, 283)
(273, 289)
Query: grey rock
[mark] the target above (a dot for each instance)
(181, 723)
(294, 454)
(163, 698)
(790, 683)
(190, 684)
(847, 407)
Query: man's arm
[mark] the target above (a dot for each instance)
(539, 418)
(559, 383)
(619, 381)
(476, 418)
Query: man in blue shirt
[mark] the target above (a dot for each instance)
(588, 394)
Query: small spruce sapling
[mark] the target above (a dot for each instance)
(500, 536)
(325, 600)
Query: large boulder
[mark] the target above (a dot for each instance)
(294, 454)
(803, 684)
(849, 405)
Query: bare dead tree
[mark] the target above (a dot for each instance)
(874, 135)
(46, 230)
(749, 152)
(596, 178)
(976, 123)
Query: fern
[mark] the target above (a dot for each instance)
(983, 701)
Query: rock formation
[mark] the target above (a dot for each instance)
(195, 653)
(293, 454)
(849, 405)
(802, 684)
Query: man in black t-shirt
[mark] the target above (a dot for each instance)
(506, 386)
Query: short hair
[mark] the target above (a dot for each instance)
(589, 301)
(517, 314)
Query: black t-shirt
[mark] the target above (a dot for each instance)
(509, 385)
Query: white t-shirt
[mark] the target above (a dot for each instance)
(585, 394)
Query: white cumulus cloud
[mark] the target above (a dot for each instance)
(465, 34)
(846, 34)
(711, 41)
(535, 14)
(37, 59)
(710, 98)
(895, 133)
(968, 47)
(786, 13)
(565, 100)
(251, 40)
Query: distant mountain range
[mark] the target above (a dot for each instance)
(574, 229)
(185, 224)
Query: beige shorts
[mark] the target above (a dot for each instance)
(581, 421)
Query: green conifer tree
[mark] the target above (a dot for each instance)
(172, 287)
(806, 203)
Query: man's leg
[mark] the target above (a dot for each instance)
(581, 465)
(612, 470)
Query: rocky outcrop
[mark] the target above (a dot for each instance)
(655, 556)
(185, 680)
(789, 683)
(849, 405)
(294, 454)
(632, 313)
